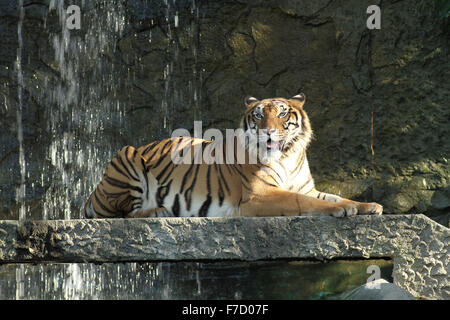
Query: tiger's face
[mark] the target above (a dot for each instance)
(276, 127)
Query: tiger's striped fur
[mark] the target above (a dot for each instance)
(146, 182)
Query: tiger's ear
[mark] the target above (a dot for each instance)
(249, 100)
(298, 100)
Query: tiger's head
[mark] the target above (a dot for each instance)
(276, 127)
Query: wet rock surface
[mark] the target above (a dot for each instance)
(154, 67)
(418, 246)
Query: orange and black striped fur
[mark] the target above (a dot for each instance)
(146, 182)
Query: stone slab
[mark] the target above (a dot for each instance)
(418, 246)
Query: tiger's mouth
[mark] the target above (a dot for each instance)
(274, 145)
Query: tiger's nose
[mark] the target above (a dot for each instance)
(270, 131)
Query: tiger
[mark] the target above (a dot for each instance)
(147, 182)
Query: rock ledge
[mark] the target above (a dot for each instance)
(418, 246)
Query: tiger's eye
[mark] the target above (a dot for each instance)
(282, 114)
(257, 115)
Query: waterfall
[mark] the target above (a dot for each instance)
(79, 93)
(197, 77)
(21, 190)
(81, 106)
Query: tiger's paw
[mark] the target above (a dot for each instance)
(370, 208)
(162, 213)
(345, 210)
(150, 213)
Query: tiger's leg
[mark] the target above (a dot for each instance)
(277, 202)
(363, 207)
(122, 188)
(155, 212)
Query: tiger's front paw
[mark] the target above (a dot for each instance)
(370, 208)
(345, 209)
(162, 213)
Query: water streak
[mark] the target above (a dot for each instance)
(21, 190)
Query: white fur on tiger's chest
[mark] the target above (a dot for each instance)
(297, 179)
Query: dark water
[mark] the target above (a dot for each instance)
(186, 280)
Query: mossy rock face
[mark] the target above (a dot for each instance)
(377, 99)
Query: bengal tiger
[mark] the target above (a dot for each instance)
(147, 182)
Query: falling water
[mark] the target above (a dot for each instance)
(167, 103)
(21, 191)
(181, 95)
(81, 106)
(20, 281)
(81, 97)
(197, 80)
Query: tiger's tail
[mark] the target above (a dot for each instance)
(88, 210)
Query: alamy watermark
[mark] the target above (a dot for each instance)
(375, 272)
(238, 146)
(374, 20)
(73, 20)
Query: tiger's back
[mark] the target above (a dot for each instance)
(146, 179)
